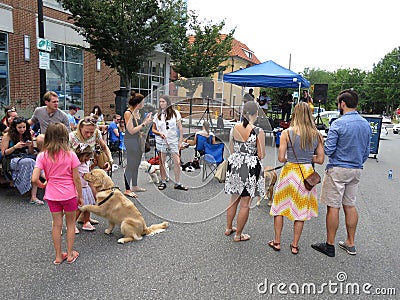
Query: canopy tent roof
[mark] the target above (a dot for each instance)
(267, 74)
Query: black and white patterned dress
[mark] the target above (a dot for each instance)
(245, 174)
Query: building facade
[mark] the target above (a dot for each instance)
(73, 73)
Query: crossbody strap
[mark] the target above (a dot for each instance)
(290, 140)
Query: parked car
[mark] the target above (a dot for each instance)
(386, 119)
(396, 128)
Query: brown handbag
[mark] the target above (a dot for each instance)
(313, 179)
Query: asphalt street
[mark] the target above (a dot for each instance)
(193, 259)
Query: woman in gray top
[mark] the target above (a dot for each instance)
(301, 145)
(134, 126)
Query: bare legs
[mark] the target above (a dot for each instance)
(56, 233)
(297, 230)
(332, 224)
(243, 214)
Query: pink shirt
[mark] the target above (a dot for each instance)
(60, 182)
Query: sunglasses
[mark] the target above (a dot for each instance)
(12, 109)
(166, 123)
(90, 120)
(19, 120)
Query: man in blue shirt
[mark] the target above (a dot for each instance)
(348, 147)
(73, 122)
(113, 133)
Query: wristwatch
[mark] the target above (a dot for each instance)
(143, 125)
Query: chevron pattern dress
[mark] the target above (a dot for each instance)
(292, 199)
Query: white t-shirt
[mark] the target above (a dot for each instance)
(169, 128)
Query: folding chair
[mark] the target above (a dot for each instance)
(213, 156)
(201, 141)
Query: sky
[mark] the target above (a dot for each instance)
(319, 34)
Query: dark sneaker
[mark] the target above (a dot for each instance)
(325, 248)
(350, 250)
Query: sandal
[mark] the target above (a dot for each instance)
(180, 187)
(274, 245)
(139, 190)
(294, 248)
(229, 231)
(74, 258)
(131, 194)
(243, 237)
(162, 186)
(64, 257)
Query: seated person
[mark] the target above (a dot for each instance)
(204, 132)
(113, 133)
(19, 159)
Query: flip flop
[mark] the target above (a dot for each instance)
(229, 231)
(131, 194)
(64, 257)
(76, 254)
(242, 238)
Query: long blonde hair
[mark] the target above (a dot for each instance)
(303, 120)
(56, 139)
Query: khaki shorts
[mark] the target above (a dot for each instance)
(340, 186)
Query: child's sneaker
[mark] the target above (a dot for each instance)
(87, 226)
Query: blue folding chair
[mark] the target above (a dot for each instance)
(201, 141)
(213, 156)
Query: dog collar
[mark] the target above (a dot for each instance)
(148, 171)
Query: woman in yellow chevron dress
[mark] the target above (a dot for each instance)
(301, 145)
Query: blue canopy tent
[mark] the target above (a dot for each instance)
(267, 74)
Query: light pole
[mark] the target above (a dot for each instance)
(42, 72)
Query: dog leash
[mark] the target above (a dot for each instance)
(276, 168)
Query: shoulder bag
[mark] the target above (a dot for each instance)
(144, 142)
(313, 179)
(99, 154)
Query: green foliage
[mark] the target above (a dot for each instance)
(123, 33)
(201, 53)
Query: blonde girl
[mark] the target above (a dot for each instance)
(63, 187)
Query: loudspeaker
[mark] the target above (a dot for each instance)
(320, 93)
(208, 89)
(121, 98)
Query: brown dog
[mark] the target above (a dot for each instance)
(270, 180)
(117, 209)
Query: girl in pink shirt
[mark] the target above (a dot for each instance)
(63, 185)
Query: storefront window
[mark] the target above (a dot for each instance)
(65, 76)
(4, 78)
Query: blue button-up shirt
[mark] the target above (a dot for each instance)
(348, 141)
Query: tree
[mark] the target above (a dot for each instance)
(123, 33)
(383, 86)
(202, 52)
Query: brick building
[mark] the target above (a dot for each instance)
(75, 74)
